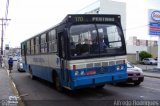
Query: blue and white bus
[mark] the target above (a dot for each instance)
(84, 50)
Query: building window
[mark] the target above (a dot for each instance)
(155, 43)
(137, 42)
(146, 42)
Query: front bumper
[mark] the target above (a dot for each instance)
(135, 79)
(94, 80)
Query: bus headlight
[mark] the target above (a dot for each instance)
(120, 67)
(82, 73)
(76, 73)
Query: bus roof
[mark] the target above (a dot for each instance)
(84, 18)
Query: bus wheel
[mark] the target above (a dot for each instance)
(57, 83)
(31, 74)
(136, 83)
(100, 86)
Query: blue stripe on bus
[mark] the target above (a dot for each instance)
(41, 72)
(98, 79)
(109, 74)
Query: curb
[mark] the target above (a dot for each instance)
(152, 76)
(14, 89)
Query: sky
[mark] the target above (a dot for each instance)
(30, 17)
(138, 19)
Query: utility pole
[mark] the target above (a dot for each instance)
(2, 19)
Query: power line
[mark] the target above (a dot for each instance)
(3, 19)
(7, 6)
(137, 27)
(4, 22)
(6, 12)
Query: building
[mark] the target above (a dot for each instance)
(12, 52)
(107, 7)
(134, 44)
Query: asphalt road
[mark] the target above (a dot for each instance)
(39, 93)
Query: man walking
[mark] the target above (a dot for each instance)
(10, 63)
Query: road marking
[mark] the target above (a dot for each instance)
(151, 88)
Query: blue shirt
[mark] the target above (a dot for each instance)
(10, 61)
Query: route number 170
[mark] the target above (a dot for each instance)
(79, 19)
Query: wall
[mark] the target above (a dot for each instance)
(153, 50)
(131, 58)
(131, 49)
(107, 7)
(114, 7)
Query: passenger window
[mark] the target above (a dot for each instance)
(37, 46)
(52, 41)
(43, 43)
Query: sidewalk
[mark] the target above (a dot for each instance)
(151, 73)
(7, 93)
(5, 87)
(149, 70)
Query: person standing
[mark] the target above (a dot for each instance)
(1, 59)
(10, 63)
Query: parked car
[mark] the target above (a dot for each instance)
(20, 66)
(149, 61)
(135, 74)
(20, 59)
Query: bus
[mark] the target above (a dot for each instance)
(84, 50)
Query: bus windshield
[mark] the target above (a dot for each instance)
(96, 39)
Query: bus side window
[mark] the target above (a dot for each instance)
(61, 45)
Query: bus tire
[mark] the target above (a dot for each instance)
(57, 83)
(31, 74)
(100, 86)
(136, 83)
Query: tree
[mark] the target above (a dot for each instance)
(144, 54)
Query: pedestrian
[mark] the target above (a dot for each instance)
(1, 61)
(10, 63)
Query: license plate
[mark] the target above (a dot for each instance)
(134, 78)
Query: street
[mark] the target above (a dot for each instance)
(96, 53)
(39, 92)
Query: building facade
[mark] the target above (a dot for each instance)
(134, 45)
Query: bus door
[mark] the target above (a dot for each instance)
(25, 52)
(62, 54)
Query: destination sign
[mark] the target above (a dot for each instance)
(93, 19)
(102, 19)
